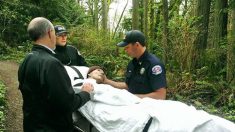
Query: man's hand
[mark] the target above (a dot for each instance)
(105, 79)
(101, 76)
(88, 87)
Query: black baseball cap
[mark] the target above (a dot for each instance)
(60, 29)
(132, 37)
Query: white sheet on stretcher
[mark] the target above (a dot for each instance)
(115, 110)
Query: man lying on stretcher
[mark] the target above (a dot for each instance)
(115, 110)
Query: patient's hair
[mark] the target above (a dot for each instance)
(91, 69)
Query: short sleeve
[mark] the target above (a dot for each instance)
(157, 75)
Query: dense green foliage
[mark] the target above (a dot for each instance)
(16, 14)
(98, 50)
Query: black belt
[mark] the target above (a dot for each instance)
(148, 125)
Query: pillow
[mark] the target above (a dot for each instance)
(77, 74)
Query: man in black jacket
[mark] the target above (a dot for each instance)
(48, 97)
(70, 56)
(67, 54)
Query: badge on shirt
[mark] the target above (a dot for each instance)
(142, 70)
(157, 70)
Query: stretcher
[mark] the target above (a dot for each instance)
(115, 110)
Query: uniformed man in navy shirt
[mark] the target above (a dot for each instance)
(146, 74)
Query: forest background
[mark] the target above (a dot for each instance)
(195, 39)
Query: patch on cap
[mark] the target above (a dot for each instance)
(60, 29)
(157, 69)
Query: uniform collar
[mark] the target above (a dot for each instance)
(61, 48)
(42, 47)
(141, 59)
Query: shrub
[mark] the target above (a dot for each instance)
(2, 105)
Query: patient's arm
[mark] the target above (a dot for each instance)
(99, 76)
(120, 85)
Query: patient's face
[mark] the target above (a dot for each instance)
(98, 75)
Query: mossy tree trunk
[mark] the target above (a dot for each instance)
(202, 12)
(231, 46)
(146, 18)
(135, 14)
(165, 41)
(104, 15)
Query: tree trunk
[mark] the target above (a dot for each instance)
(202, 12)
(220, 23)
(231, 47)
(104, 15)
(157, 19)
(165, 30)
(152, 27)
(90, 11)
(120, 19)
(146, 21)
(141, 14)
(152, 19)
(185, 7)
(135, 14)
(96, 14)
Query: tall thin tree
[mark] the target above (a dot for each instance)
(202, 12)
(231, 46)
(152, 18)
(146, 18)
(104, 14)
(220, 22)
(120, 19)
(165, 30)
(135, 14)
(96, 14)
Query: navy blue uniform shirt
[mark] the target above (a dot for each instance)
(146, 74)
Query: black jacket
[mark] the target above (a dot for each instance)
(69, 56)
(48, 97)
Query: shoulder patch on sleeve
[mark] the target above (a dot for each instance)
(157, 69)
(78, 52)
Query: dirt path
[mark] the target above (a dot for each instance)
(8, 74)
